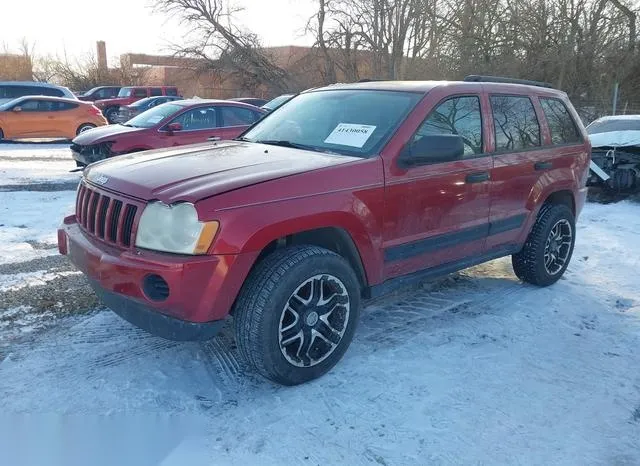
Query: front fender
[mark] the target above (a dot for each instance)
(250, 229)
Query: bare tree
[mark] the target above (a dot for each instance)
(222, 45)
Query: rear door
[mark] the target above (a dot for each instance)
(438, 213)
(234, 120)
(521, 157)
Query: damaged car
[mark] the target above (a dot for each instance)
(615, 157)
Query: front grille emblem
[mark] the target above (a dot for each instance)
(100, 179)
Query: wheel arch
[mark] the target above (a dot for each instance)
(333, 238)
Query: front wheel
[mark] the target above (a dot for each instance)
(1, 135)
(297, 313)
(549, 247)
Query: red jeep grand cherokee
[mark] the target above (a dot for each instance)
(338, 196)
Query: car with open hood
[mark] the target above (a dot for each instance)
(339, 196)
(176, 123)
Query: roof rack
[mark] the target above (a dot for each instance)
(499, 79)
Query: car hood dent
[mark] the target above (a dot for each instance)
(192, 173)
(104, 133)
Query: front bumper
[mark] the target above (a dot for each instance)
(200, 290)
(147, 318)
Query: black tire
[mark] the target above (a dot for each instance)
(529, 264)
(1, 134)
(260, 311)
(111, 114)
(84, 127)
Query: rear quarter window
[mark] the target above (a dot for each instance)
(561, 125)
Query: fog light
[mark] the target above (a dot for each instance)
(155, 287)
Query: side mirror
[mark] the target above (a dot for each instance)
(432, 148)
(173, 127)
(17, 109)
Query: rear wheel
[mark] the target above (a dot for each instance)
(84, 127)
(1, 134)
(549, 247)
(111, 114)
(296, 314)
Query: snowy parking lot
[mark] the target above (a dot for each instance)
(477, 368)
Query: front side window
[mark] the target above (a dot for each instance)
(561, 125)
(458, 115)
(125, 92)
(348, 121)
(237, 116)
(198, 118)
(30, 105)
(515, 122)
(154, 116)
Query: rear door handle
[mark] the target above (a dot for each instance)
(543, 165)
(477, 177)
(214, 138)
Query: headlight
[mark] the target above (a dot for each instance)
(174, 228)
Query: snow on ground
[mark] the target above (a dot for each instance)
(13, 172)
(478, 368)
(29, 222)
(29, 151)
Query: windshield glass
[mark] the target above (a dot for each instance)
(125, 92)
(9, 104)
(142, 102)
(605, 126)
(350, 122)
(153, 116)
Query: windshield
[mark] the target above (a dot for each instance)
(125, 92)
(605, 126)
(9, 104)
(349, 122)
(275, 103)
(153, 116)
(142, 102)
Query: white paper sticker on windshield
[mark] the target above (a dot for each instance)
(348, 134)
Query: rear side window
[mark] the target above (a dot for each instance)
(515, 122)
(13, 92)
(171, 91)
(156, 91)
(563, 128)
(139, 92)
(236, 116)
(459, 115)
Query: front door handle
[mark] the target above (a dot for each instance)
(543, 165)
(477, 177)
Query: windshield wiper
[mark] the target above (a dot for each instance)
(285, 143)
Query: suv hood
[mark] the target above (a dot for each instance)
(195, 172)
(104, 134)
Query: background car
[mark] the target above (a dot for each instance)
(99, 93)
(277, 102)
(615, 154)
(47, 117)
(171, 124)
(10, 90)
(130, 94)
(129, 111)
(251, 101)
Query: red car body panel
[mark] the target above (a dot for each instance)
(124, 139)
(260, 194)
